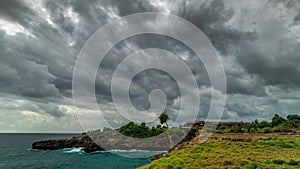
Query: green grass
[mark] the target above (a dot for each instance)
(264, 153)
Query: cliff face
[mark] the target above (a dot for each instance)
(108, 140)
(80, 141)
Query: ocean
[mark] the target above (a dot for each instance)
(16, 152)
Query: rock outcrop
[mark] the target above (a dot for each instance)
(110, 139)
(83, 141)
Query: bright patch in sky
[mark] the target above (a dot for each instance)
(12, 28)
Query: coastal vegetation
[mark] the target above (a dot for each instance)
(142, 131)
(274, 152)
(163, 118)
(277, 124)
(251, 145)
(273, 144)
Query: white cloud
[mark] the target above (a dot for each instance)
(12, 29)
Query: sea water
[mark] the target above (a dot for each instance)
(16, 152)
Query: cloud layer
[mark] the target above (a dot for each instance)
(258, 41)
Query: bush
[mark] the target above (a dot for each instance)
(220, 131)
(276, 120)
(288, 145)
(268, 162)
(278, 162)
(252, 166)
(267, 130)
(293, 162)
(264, 124)
(227, 162)
(252, 130)
(140, 130)
(276, 129)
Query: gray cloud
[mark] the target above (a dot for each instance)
(40, 43)
(53, 110)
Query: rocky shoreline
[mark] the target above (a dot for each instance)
(83, 141)
(109, 140)
(87, 142)
(90, 143)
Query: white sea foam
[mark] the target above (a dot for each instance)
(72, 150)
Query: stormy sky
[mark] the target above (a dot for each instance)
(258, 42)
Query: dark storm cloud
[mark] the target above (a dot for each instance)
(258, 53)
(148, 80)
(11, 10)
(25, 77)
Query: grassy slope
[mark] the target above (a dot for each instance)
(275, 152)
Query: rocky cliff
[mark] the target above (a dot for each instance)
(110, 139)
(83, 141)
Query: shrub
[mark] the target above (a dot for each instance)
(278, 162)
(252, 130)
(140, 130)
(276, 120)
(220, 131)
(227, 162)
(276, 129)
(268, 162)
(293, 162)
(267, 130)
(288, 145)
(169, 166)
(252, 166)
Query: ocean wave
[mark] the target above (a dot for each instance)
(73, 150)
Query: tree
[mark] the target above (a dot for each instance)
(264, 124)
(163, 118)
(293, 117)
(276, 120)
(293, 120)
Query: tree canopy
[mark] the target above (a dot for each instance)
(140, 130)
(163, 118)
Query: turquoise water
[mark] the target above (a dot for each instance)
(15, 152)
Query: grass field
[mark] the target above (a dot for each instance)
(265, 151)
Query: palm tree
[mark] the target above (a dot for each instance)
(163, 118)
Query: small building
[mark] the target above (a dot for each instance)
(198, 123)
